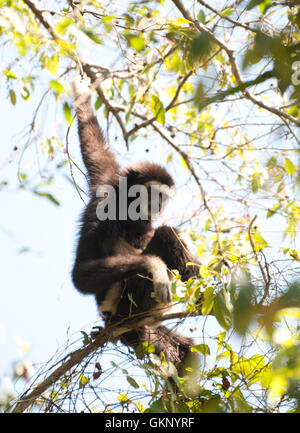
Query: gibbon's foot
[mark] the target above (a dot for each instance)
(161, 282)
(96, 331)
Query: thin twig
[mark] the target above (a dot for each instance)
(234, 66)
(109, 334)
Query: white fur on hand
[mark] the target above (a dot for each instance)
(81, 86)
(161, 282)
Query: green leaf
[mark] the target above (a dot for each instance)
(173, 63)
(264, 6)
(201, 348)
(67, 112)
(184, 164)
(144, 348)
(98, 104)
(136, 42)
(255, 183)
(221, 311)
(208, 302)
(83, 381)
(169, 159)
(259, 242)
(202, 46)
(9, 74)
(108, 22)
(290, 168)
(56, 87)
(86, 338)
(63, 24)
(51, 63)
(48, 196)
(243, 309)
(25, 92)
(242, 405)
(157, 109)
(201, 16)
(132, 382)
(204, 273)
(123, 398)
(92, 36)
(157, 407)
(253, 3)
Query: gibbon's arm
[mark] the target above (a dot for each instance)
(100, 162)
(96, 268)
(168, 243)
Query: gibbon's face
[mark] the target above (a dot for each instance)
(158, 195)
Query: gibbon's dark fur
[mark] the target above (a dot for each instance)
(98, 267)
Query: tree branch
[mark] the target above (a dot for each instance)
(109, 334)
(234, 66)
(38, 14)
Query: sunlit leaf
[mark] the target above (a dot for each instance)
(289, 166)
(123, 398)
(136, 42)
(83, 381)
(221, 311)
(201, 16)
(208, 302)
(56, 86)
(157, 108)
(201, 348)
(67, 112)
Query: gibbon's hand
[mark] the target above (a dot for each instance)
(96, 331)
(81, 87)
(162, 290)
(161, 282)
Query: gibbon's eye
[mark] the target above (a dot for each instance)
(157, 198)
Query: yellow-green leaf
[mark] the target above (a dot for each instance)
(157, 109)
(62, 25)
(67, 112)
(201, 348)
(184, 164)
(123, 398)
(290, 168)
(83, 381)
(221, 311)
(136, 42)
(56, 86)
(204, 271)
(208, 302)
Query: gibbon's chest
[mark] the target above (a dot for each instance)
(133, 241)
(123, 248)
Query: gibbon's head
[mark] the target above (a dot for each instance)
(150, 186)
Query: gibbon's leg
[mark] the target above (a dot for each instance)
(173, 345)
(96, 270)
(168, 245)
